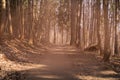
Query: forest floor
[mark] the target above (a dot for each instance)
(57, 63)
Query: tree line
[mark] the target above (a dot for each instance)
(80, 23)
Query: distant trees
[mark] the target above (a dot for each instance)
(27, 19)
(91, 25)
(80, 23)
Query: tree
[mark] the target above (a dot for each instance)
(3, 16)
(116, 23)
(73, 22)
(107, 52)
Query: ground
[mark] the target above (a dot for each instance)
(60, 63)
(75, 66)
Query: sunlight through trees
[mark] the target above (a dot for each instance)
(87, 25)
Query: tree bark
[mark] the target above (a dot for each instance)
(107, 52)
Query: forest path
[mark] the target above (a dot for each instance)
(69, 65)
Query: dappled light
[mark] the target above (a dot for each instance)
(59, 39)
(50, 76)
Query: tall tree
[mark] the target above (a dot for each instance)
(98, 25)
(73, 22)
(107, 52)
(116, 23)
(3, 16)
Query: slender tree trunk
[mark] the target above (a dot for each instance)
(98, 26)
(116, 22)
(107, 52)
(79, 23)
(22, 20)
(73, 25)
(3, 16)
(10, 18)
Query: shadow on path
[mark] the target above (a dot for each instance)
(70, 67)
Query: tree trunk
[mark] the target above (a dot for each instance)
(107, 52)
(73, 21)
(116, 33)
(98, 26)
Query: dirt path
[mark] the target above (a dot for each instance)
(57, 63)
(69, 65)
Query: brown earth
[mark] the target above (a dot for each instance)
(73, 66)
(58, 63)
